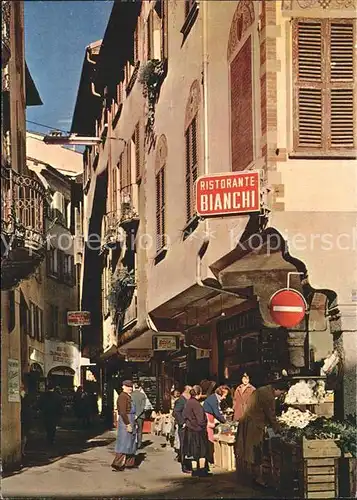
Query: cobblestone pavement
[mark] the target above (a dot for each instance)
(87, 473)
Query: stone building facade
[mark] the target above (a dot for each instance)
(215, 87)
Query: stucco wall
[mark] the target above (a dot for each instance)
(10, 411)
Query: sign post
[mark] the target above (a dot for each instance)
(228, 194)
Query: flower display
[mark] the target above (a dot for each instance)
(305, 393)
(296, 418)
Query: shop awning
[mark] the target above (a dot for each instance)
(263, 262)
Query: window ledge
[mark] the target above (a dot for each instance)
(160, 255)
(190, 21)
(319, 155)
(191, 226)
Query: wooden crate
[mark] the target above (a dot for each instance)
(320, 468)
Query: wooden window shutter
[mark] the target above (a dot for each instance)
(324, 86)
(158, 212)
(188, 173)
(150, 35)
(162, 186)
(138, 151)
(191, 139)
(309, 76)
(160, 208)
(342, 85)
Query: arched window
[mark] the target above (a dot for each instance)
(192, 147)
(241, 85)
(160, 167)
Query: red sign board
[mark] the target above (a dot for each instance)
(231, 193)
(287, 308)
(78, 318)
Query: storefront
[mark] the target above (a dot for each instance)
(62, 364)
(245, 344)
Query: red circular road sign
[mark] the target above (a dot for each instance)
(287, 307)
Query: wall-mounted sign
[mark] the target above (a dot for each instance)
(13, 381)
(78, 318)
(166, 342)
(139, 355)
(202, 354)
(61, 354)
(287, 307)
(227, 194)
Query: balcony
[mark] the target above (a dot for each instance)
(22, 227)
(5, 32)
(129, 218)
(130, 315)
(112, 232)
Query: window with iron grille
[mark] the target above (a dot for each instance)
(32, 324)
(68, 329)
(324, 74)
(68, 269)
(53, 263)
(191, 167)
(54, 319)
(40, 325)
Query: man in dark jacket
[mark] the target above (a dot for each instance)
(51, 409)
(179, 419)
(139, 400)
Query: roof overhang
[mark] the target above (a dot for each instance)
(263, 262)
(32, 95)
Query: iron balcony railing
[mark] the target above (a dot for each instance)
(5, 31)
(22, 214)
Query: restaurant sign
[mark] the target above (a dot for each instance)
(165, 342)
(78, 318)
(228, 193)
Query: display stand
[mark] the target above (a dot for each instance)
(224, 452)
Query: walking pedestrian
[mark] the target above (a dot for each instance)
(195, 443)
(125, 446)
(178, 416)
(213, 411)
(241, 396)
(51, 408)
(139, 400)
(26, 418)
(260, 413)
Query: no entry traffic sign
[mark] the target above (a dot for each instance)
(287, 307)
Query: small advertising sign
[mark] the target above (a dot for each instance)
(165, 342)
(13, 381)
(228, 194)
(78, 318)
(139, 355)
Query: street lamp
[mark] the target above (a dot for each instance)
(74, 140)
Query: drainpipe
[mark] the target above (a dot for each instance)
(91, 61)
(205, 95)
(205, 243)
(94, 91)
(92, 83)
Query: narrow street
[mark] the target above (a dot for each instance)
(79, 466)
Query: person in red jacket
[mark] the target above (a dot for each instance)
(242, 396)
(195, 445)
